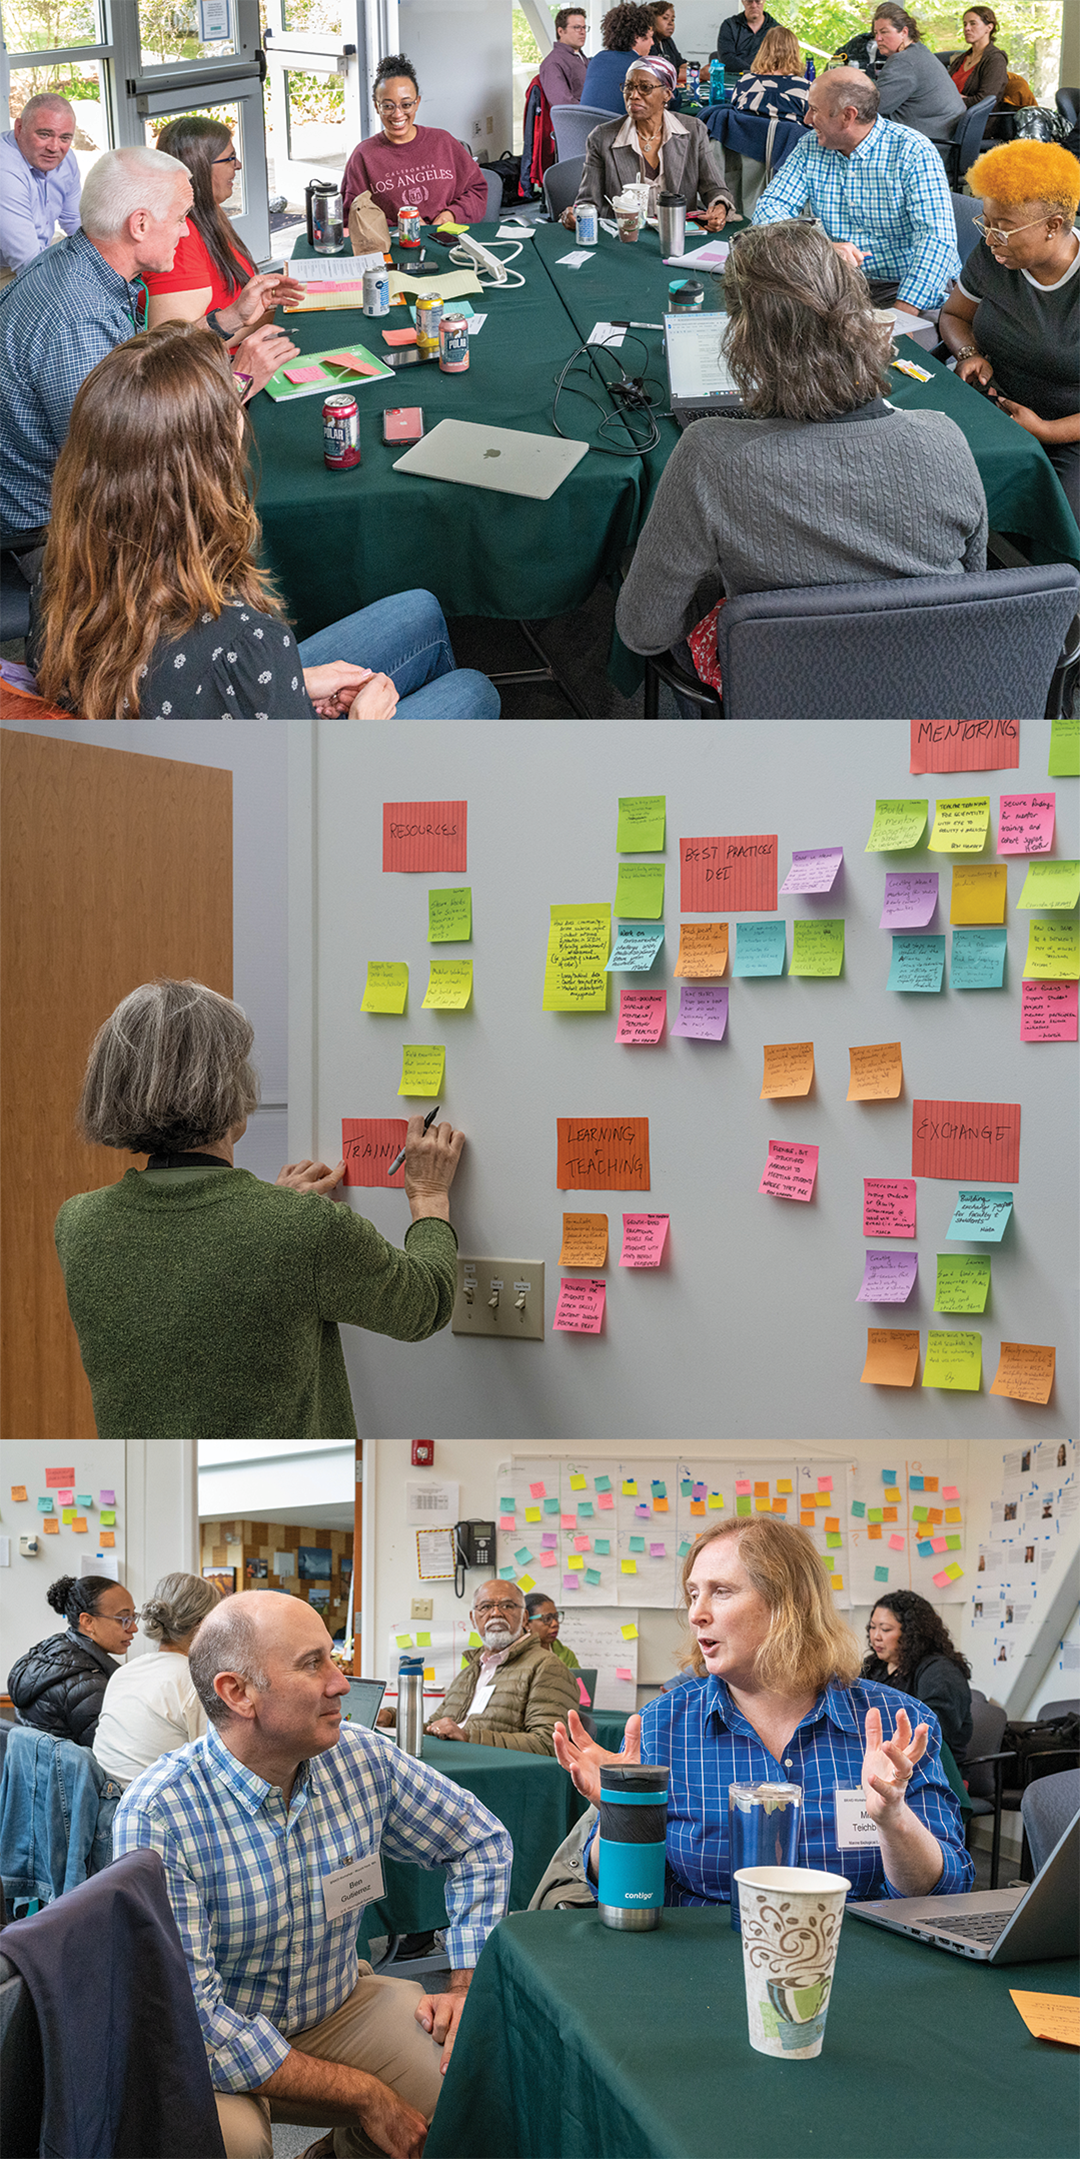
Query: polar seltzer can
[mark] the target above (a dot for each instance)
(341, 431)
(586, 228)
(429, 307)
(453, 344)
(408, 225)
(376, 293)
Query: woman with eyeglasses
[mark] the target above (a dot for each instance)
(59, 1686)
(423, 166)
(542, 1622)
(1012, 320)
(656, 146)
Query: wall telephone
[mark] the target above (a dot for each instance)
(474, 1546)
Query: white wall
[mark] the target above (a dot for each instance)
(462, 53)
(238, 1476)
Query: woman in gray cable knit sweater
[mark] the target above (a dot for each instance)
(824, 483)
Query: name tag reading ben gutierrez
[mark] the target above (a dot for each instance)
(854, 1828)
(348, 1887)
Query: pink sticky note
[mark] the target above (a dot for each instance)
(642, 1511)
(950, 1491)
(644, 1237)
(941, 1581)
(399, 337)
(304, 374)
(790, 1171)
(583, 1544)
(568, 1521)
(549, 1559)
(641, 1016)
(623, 1671)
(1048, 1011)
(743, 1488)
(657, 1551)
(353, 363)
(65, 1499)
(538, 1491)
(888, 1207)
(580, 1309)
(605, 1501)
(940, 1544)
(824, 1484)
(1026, 824)
(896, 1544)
(507, 1521)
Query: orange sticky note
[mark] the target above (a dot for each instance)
(1050, 2016)
(808, 1521)
(584, 1240)
(50, 1525)
(660, 1506)
(892, 1356)
(1025, 1371)
(929, 1484)
(697, 1506)
(877, 1072)
(353, 363)
(703, 949)
(761, 1491)
(107, 1539)
(832, 1521)
(888, 1514)
(779, 1506)
(789, 1069)
(79, 1524)
(18, 1491)
(873, 1529)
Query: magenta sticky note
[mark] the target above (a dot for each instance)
(813, 869)
(642, 1511)
(888, 1277)
(743, 1487)
(824, 1484)
(644, 1236)
(910, 899)
(790, 1171)
(538, 1491)
(304, 374)
(1026, 824)
(605, 1501)
(549, 1559)
(507, 1521)
(888, 1207)
(65, 1499)
(941, 1581)
(623, 1671)
(896, 1544)
(703, 1012)
(950, 1491)
(1048, 1011)
(641, 1016)
(580, 1307)
(657, 1551)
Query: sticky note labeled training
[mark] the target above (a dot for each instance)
(369, 1145)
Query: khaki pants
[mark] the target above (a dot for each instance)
(375, 2030)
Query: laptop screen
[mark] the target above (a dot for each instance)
(696, 365)
(364, 1699)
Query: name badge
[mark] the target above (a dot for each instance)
(854, 1828)
(349, 1887)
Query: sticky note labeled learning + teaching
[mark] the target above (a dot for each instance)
(641, 825)
(980, 1217)
(1051, 884)
(892, 1357)
(760, 948)
(736, 872)
(703, 949)
(897, 825)
(1048, 1011)
(790, 1171)
(877, 1072)
(640, 890)
(425, 836)
(979, 891)
(1026, 824)
(888, 1277)
(635, 948)
(910, 899)
(703, 1012)
(423, 1065)
(584, 1241)
(369, 1145)
(642, 1014)
(1053, 953)
(953, 1361)
(965, 1140)
(579, 939)
(918, 963)
(961, 826)
(978, 958)
(644, 1237)
(580, 1307)
(789, 1069)
(449, 986)
(1025, 1371)
(817, 948)
(964, 745)
(814, 869)
(602, 1154)
(450, 915)
(963, 1282)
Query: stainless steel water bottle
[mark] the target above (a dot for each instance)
(410, 1705)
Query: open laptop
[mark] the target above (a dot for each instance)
(363, 1702)
(997, 1926)
(503, 458)
(699, 378)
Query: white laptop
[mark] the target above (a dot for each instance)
(997, 1926)
(501, 458)
(699, 377)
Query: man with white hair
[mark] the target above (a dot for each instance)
(39, 179)
(78, 300)
(511, 1690)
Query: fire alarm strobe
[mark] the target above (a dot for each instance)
(423, 1453)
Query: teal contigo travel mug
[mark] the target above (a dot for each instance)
(632, 1845)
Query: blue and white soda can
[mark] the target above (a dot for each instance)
(586, 225)
(375, 298)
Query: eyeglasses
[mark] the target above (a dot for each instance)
(119, 1619)
(644, 89)
(484, 1610)
(230, 158)
(406, 106)
(547, 1619)
(997, 232)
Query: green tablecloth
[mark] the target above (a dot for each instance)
(610, 1726)
(581, 2043)
(531, 1796)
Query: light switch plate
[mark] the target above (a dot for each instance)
(420, 1608)
(501, 1299)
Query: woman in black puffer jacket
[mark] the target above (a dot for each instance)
(59, 1685)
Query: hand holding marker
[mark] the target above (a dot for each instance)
(399, 1158)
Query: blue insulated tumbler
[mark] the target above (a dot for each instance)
(632, 1845)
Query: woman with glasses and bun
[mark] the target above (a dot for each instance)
(150, 1706)
(423, 166)
(542, 1622)
(59, 1686)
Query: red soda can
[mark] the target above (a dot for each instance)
(341, 431)
(408, 225)
(453, 344)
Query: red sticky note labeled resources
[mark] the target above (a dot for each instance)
(1048, 1011)
(425, 835)
(580, 1309)
(602, 1154)
(643, 1239)
(790, 1170)
(965, 1140)
(964, 745)
(736, 872)
(369, 1145)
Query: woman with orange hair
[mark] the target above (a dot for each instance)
(1012, 320)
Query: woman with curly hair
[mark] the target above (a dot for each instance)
(625, 30)
(407, 163)
(1013, 317)
(910, 1649)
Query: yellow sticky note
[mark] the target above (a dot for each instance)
(892, 1491)
(579, 1483)
(447, 224)
(716, 1502)
(423, 1065)
(387, 986)
(1053, 953)
(404, 1641)
(823, 1499)
(953, 1360)
(629, 1486)
(579, 940)
(533, 1514)
(525, 1583)
(783, 1484)
(629, 1566)
(575, 1563)
(762, 1506)
(961, 826)
(978, 891)
(953, 1514)
(838, 1581)
(629, 1633)
(449, 986)
(1050, 2016)
(429, 1672)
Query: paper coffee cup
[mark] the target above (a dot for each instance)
(790, 1930)
(625, 203)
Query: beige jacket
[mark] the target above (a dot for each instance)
(533, 1690)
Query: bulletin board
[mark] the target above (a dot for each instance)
(750, 1324)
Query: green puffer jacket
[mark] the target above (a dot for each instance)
(533, 1691)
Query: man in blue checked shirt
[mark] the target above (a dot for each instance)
(878, 190)
(271, 1829)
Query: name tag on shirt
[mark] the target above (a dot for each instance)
(854, 1827)
(348, 1887)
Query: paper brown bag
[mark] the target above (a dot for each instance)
(369, 232)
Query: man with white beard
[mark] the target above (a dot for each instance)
(510, 1691)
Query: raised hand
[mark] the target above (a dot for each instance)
(584, 1758)
(888, 1764)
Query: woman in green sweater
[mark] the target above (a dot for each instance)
(206, 1302)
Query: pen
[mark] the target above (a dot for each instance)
(399, 1158)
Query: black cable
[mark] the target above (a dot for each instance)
(629, 393)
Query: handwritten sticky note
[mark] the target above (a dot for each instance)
(629, 1487)
(877, 1072)
(59, 1480)
(423, 1065)
(964, 745)
(703, 1012)
(450, 984)
(1050, 2016)
(644, 1237)
(67, 1514)
(84, 1499)
(963, 1282)
(979, 892)
(584, 1243)
(910, 899)
(1051, 884)
(737, 872)
(1053, 953)
(889, 1206)
(642, 1014)
(897, 824)
(425, 836)
(888, 1277)
(628, 1566)
(107, 1538)
(817, 947)
(1064, 750)
(790, 1171)
(953, 1361)
(1025, 1371)
(45, 1504)
(602, 1154)
(450, 915)
(813, 869)
(982, 1216)
(1048, 1011)
(760, 948)
(369, 1145)
(580, 1307)
(305, 374)
(551, 1505)
(1026, 824)
(18, 1492)
(965, 1140)
(789, 1069)
(65, 1499)
(79, 1524)
(961, 826)
(579, 939)
(51, 1526)
(629, 1632)
(575, 1564)
(640, 890)
(640, 829)
(978, 959)
(635, 948)
(637, 1544)
(918, 963)
(537, 1491)
(892, 1357)
(703, 949)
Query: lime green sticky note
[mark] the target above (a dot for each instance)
(897, 823)
(963, 1281)
(920, 1514)
(448, 224)
(1064, 750)
(404, 1641)
(579, 940)
(449, 986)
(423, 1641)
(640, 890)
(1053, 953)
(875, 1514)
(833, 1539)
(476, 1641)
(817, 948)
(108, 1518)
(423, 1065)
(744, 1505)
(961, 825)
(954, 1361)
(953, 1544)
(1051, 884)
(67, 1514)
(387, 986)
(828, 1561)
(449, 914)
(954, 1570)
(641, 824)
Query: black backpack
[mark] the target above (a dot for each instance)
(1042, 1749)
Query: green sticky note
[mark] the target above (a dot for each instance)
(586, 1510)
(1051, 884)
(602, 1545)
(423, 1641)
(449, 986)
(640, 890)
(476, 1640)
(858, 1506)
(449, 915)
(881, 1574)
(833, 1539)
(953, 1361)
(508, 1504)
(875, 1514)
(637, 1544)
(897, 823)
(953, 1544)
(593, 1577)
(828, 1561)
(523, 1555)
(1064, 750)
(684, 1548)
(817, 948)
(641, 824)
(963, 1281)
(506, 1574)
(579, 940)
(387, 987)
(67, 1514)
(423, 1065)
(108, 1517)
(961, 825)
(551, 1506)
(404, 1641)
(920, 1514)
(744, 1506)
(1053, 953)
(602, 1484)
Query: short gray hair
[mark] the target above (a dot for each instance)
(849, 86)
(124, 181)
(177, 1606)
(802, 340)
(168, 1071)
(227, 1641)
(45, 97)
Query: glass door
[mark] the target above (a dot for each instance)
(164, 67)
(313, 90)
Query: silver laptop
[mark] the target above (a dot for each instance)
(364, 1700)
(997, 1926)
(700, 380)
(502, 458)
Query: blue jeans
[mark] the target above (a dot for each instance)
(406, 638)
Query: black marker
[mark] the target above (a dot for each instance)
(399, 1158)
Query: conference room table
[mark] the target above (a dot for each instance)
(529, 1793)
(578, 2042)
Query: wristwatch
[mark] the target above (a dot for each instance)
(213, 324)
(968, 352)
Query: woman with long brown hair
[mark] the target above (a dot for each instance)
(151, 603)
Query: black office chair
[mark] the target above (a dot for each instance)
(1057, 1709)
(983, 1771)
(966, 143)
(1068, 105)
(1048, 1807)
(14, 600)
(561, 183)
(966, 209)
